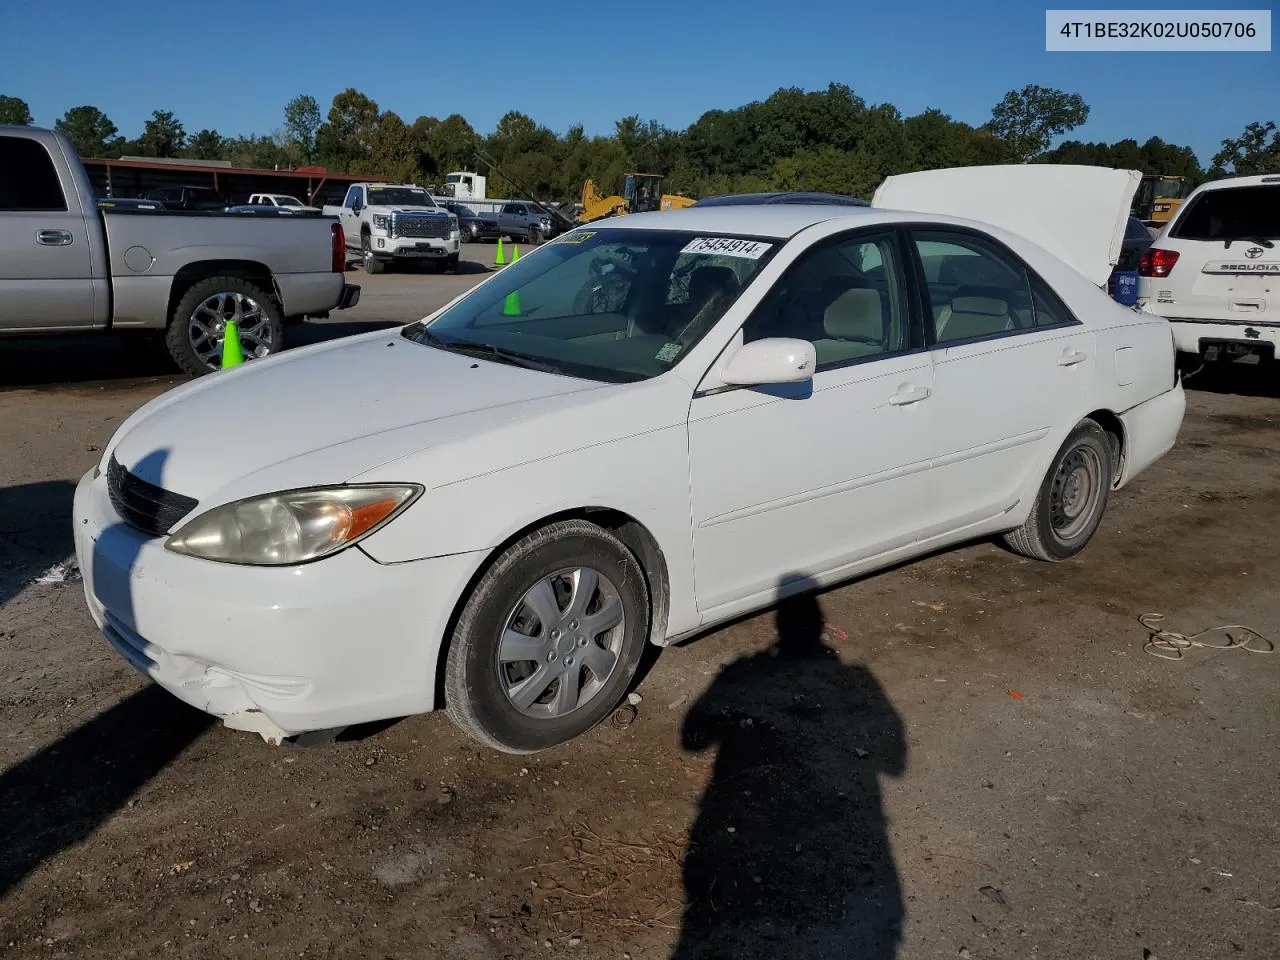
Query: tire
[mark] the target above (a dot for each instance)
(372, 265)
(1061, 524)
(451, 263)
(535, 236)
(481, 691)
(194, 335)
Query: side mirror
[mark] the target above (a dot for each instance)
(773, 360)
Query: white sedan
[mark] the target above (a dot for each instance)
(645, 428)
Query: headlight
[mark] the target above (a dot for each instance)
(294, 526)
(382, 221)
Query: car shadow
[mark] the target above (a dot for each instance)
(1234, 378)
(60, 795)
(35, 532)
(97, 358)
(789, 854)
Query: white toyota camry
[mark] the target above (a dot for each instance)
(644, 428)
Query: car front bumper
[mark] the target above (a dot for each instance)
(278, 651)
(413, 248)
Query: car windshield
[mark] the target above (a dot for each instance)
(398, 197)
(1232, 213)
(462, 211)
(616, 305)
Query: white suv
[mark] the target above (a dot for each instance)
(1214, 270)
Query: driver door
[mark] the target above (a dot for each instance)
(802, 479)
(350, 217)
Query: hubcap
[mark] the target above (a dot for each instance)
(208, 324)
(1075, 491)
(561, 643)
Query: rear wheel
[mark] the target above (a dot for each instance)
(549, 640)
(198, 325)
(1072, 498)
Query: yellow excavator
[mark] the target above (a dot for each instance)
(641, 193)
(1158, 199)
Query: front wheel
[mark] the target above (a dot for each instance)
(549, 640)
(197, 327)
(1072, 498)
(372, 264)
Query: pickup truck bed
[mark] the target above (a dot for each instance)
(67, 266)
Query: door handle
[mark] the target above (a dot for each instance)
(909, 394)
(54, 238)
(1070, 357)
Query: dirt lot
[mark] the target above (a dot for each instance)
(974, 743)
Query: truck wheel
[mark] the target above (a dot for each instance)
(196, 327)
(451, 263)
(372, 264)
(549, 640)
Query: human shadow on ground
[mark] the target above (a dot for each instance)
(61, 794)
(789, 855)
(35, 532)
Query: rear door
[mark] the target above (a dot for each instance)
(1228, 266)
(46, 266)
(511, 219)
(1011, 369)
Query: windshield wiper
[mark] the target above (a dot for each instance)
(513, 357)
(1226, 244)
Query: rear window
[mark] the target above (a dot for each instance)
(28, 178)
(1236, 213)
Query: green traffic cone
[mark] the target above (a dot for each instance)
(500, 259)
(232, 352)
(511, 305)
(515, 252)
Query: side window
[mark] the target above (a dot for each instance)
(847, 298)
(28, 178)
(975, 289)
(1050, 311)
(350, 199)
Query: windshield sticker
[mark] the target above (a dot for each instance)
(578, 236)
(727, 247)
(668, 352)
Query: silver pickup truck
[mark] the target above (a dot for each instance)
(69, 266)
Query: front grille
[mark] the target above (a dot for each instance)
(428, 226)
(143, 505)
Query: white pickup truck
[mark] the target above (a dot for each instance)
(68, 265)
(397, 222)
(286, 201)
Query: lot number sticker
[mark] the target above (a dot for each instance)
(727, 247)
(578, 236)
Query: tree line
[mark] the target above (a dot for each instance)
(829, 140)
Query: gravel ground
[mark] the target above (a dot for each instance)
(967, 756)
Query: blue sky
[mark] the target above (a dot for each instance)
(565, 62)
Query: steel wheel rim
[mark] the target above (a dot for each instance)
(1077, 485)
(561, 643)
(207, 326)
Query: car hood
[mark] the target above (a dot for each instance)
(407, 209)
(1078, 213)
(326, 414)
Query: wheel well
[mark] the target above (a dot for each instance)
(1115, 432)
(192, 273)
(630, 531)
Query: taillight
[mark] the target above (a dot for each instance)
(338, 242)
(1157, 263)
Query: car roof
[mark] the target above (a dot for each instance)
(775, 220)
(1233, 182)
(782, 196)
